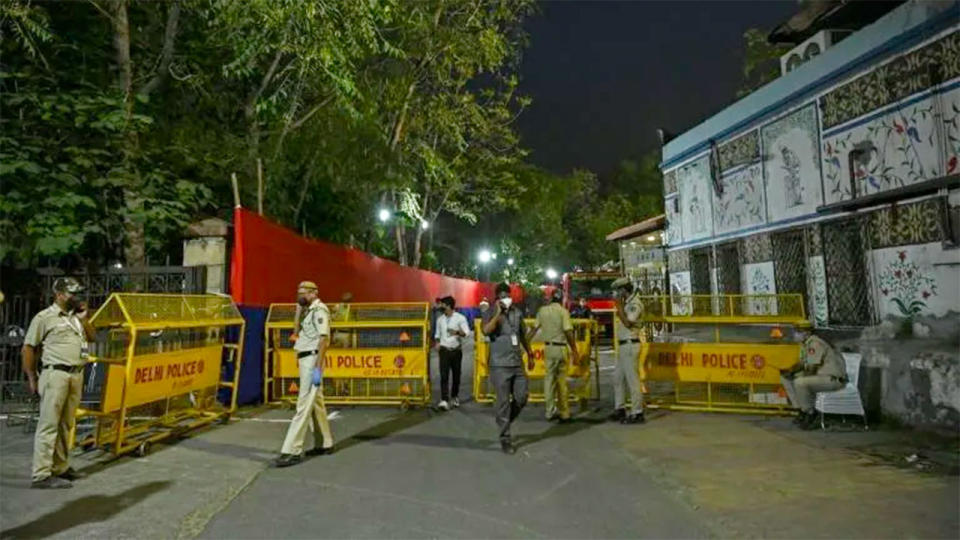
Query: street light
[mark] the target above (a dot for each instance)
(485, 256)
(424, 225)
(551, 274)
(510, 261)
(384, 215)
(493, 256)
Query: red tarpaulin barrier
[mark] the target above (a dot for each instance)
(270, 260)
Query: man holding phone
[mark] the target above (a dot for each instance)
(311, 346)
(61, 332)
(503, 324)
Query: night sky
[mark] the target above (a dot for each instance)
(604, 75)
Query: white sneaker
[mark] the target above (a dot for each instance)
(455, 402)
(443, 405)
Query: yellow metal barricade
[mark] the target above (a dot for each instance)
(722, 353)
(378, 355)
(578, 375)
(157, 367)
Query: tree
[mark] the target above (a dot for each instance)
(760, 60)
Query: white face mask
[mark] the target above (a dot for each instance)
(506, 301)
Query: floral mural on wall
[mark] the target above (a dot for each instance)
(758, 278)
(680, 288)
(894, 150)
(904, 284)
(741, 204)
(696, 199)
(951, 130)
(817, 276)
(791, 164)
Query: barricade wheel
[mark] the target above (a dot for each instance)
(143, 449)
(224, 419)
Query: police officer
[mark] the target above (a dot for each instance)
(62, 332)
(628, 311)
(311, 345)
(820, 369)
(581, 310)
(503, 324)
(554, 321)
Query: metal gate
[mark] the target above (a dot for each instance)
(789, 263)
(728, 268)
(700, 271)
(844, 249)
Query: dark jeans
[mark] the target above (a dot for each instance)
(450, 360)
(508, 382)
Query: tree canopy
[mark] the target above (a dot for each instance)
(123, 122)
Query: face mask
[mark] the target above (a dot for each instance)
(506, 301)
(72, 304)
(303, 301)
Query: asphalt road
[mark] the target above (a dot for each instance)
(429, 474)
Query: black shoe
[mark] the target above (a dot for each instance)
(618, 415)
(52, 482)
(320, 451)
(564, 420)
(286, 460)
(508, 448)
(634, 419)
(553, 418)
(71, 474)
(810, 422)
(800, 418)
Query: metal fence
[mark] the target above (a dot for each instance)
(34, 292)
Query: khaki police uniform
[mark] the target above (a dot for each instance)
(311, 412)
(824, 371)
(628, 353)
(554, 321)
(61, 336)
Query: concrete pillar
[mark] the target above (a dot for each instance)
(205, 244)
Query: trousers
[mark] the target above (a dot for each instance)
(510, 384)
(450, 363)
(555, 382)
(626, 372)
(802, 391)
(311, 413)
(60, 393)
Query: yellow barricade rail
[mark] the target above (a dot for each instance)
(578, 375)
(378, 355)
(157, 366)
(722, 353)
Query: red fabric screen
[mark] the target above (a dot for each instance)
(270, 260)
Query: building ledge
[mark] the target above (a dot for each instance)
(646, 226)
(893, 195)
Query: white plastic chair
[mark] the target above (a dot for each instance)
(847, 399)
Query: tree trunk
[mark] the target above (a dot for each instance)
(135, 249)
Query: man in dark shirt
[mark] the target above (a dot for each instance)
(581, 311)
(503, 324)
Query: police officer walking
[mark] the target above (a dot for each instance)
(62, 332)
(628, 311)
(503, 324)
(553, 320)
(311, 345)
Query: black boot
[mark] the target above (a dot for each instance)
(810, 422)
(637, 418)
(286, 460)
(618, 415)
(800, 418)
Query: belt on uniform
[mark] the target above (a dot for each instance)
(451, 349)
(61, 367)
(304, 354)
(556, 343)
(622, 341)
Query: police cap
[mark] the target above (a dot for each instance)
(67, 285)
(309, 285)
